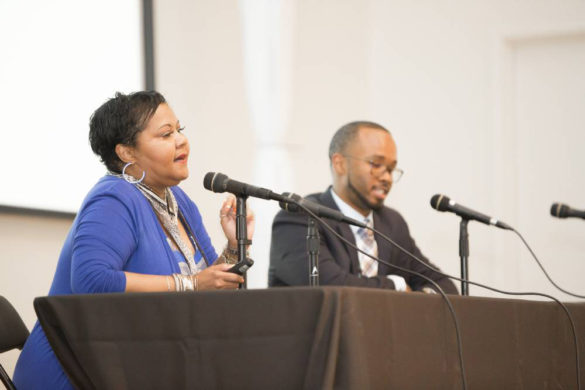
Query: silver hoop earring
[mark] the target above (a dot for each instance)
(129, 178)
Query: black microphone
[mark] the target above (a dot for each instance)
(561, 210)
(443, 203)
(218, 182)
(293, 202)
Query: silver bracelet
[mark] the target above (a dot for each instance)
(195, 282)
(187, 283)
(178, 284)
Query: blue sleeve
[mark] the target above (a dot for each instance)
(103, 242)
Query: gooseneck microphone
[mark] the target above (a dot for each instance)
(218, 182)
(443, 203)
(561, 210)
(294, 203)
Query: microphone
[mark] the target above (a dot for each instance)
(561, 210)
(218, 182)
(443, 203)
(293, 202)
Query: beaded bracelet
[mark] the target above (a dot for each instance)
(230, 256)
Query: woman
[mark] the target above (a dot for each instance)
(136, 231)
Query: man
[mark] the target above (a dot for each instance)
(363, 164)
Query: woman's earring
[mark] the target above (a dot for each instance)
(129, 178)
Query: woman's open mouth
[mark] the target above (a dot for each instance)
(181, 158)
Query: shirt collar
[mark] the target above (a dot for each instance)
(350, 212)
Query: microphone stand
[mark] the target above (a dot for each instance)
(464, 255)
(313, 250)
(242, 233)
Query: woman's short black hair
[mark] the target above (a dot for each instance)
(118, 121)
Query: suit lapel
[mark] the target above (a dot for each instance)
(345, 231)
(384, 248)
(342, 228)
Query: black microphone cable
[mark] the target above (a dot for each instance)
(566, 310)
(439, 289)
(542, 267)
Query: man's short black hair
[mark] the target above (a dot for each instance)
(118, 121)
(343, 137)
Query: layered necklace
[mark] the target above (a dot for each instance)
(167, 212)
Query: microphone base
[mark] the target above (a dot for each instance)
(313, 244)
(464, 255)
(242, 234)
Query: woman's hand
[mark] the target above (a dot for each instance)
(227, 215)
(215, 277)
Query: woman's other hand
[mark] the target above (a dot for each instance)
(227, 215)
(216, 277)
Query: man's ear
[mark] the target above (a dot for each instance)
(125, 153)
(339, 164)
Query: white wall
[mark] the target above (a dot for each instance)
(460, 84)
(29, 248)
(484, 99)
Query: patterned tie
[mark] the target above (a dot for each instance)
(368, 244)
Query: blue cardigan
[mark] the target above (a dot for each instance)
(116, 230)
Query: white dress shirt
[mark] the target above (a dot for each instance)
(347, 210)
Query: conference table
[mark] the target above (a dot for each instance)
(311, 338)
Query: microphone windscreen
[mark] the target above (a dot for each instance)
(214, 181)
(207, 180)
(440, 202)
(559, 210)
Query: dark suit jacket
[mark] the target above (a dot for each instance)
(338, 262)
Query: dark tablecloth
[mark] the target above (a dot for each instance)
(312, 338)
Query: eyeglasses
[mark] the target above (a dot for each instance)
(377, 170)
